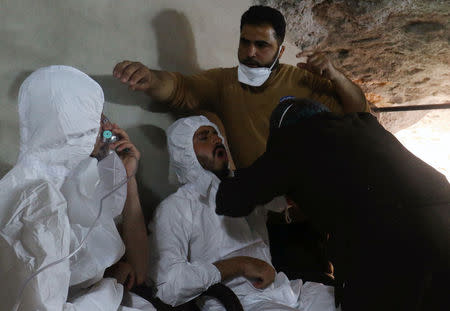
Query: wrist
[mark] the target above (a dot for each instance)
(132, 183)
(334, 75)
(232, 267)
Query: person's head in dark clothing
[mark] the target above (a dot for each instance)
(292, 110)
(263, 15)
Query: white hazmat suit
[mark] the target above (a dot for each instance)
(51, 197)
(187, 237)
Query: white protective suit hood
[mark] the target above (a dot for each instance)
(183, 160)
(54, 142)
(59, 112)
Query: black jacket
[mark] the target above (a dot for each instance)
(385, 208)
(330, 163)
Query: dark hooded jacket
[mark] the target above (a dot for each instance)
(352, 178)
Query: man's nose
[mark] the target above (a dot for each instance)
(251, 50)
(217, 139)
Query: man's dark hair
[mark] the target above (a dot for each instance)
(292, 110)
(260, 14)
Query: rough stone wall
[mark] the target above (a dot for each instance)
(398, 51)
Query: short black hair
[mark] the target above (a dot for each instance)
(260, 14)
(292, 110)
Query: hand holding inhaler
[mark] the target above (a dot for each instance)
(115, 138)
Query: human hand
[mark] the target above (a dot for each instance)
(123, 272)
(126, 150)
(290, 203)
(259, 272)
(317, 63)
(136, 75)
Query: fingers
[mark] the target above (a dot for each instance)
(121, 144)
(120, 271)
(124, 143)
(306, 52)
(128, 71)
(316, 62)
(135, 74)
(266, 278)
(119, 68)
(259, 272)
(126, 149)
(140, 79)
(257, 284)
(118, 131)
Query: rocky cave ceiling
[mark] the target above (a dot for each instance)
(398, 51)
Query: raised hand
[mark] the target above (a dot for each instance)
(317, 63)
(136, 75)
(126, 150)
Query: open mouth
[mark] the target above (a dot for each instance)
(220, 152)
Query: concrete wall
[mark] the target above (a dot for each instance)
(93, 35)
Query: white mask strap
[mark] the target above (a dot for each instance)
(278, 55)
(282, 116)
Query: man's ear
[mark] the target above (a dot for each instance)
(281, 51)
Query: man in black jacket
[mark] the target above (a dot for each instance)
(386, 210)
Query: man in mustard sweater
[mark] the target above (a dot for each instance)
(243, 97)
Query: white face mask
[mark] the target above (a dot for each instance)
(255, 76)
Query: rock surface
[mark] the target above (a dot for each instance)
(398, 51)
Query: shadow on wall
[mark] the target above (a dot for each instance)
(175, 41)
(4, 168)
(176, 52)
(118, 93)
(152, 176)
(13, 91)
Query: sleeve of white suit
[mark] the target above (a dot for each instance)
(178, 280)
(36, 235)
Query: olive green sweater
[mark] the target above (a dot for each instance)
(244, 110)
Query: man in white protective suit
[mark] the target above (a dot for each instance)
(50, 200)
(194, 248)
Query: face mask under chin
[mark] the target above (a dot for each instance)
(256, 76)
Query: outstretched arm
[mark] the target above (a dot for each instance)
(258, 184)
(159, 85)
(180, 92)
(351, 96)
